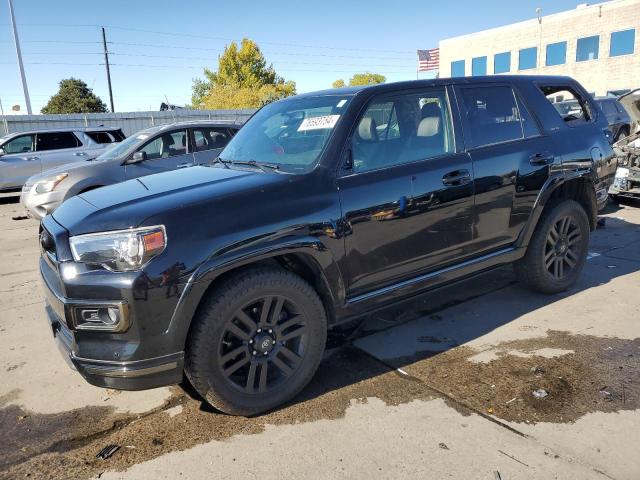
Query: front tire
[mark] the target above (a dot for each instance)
(558, 249)
(256, 341)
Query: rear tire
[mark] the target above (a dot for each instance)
(256, 341)
(558, 249)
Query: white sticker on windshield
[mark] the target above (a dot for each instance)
(142, 137)
(318, 123)
(341, 103)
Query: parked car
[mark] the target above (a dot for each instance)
(627, 179)
(312, 216)
(156, 149)
(25, 154)
(617, 117)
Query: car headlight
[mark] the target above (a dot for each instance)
(49, 185)
(121, 250)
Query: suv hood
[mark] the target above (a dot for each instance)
(631, 103)
(128, 204)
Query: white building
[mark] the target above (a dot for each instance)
(598, 45)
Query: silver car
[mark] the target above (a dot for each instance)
(24, 154)
(156, 149)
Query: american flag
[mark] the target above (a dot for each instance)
(428, 59)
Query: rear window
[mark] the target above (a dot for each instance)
(492, 115)
(56, 141)
(106, 137)
(570, 105)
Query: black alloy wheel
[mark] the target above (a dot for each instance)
(263, 344)
(557, 250)
(562, 251)
(256, 340)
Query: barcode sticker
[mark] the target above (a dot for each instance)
(318, 123)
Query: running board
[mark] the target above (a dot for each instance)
(468, 267)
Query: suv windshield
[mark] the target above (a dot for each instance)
(290, 134)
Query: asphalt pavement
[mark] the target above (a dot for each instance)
(480, 380)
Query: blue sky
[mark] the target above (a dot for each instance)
(160, 46)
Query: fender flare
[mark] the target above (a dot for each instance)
(217, 265)
(552, 184)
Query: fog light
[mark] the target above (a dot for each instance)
(106, 318)
(113, 316)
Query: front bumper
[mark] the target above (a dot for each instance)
(40, 204)
(121, 375)
(146, 352)
(627, 184)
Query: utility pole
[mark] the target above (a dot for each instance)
(27, 100)
(106, 62)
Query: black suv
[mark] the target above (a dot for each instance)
(323, 207)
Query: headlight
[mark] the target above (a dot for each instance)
(48, 186)
(120, 251)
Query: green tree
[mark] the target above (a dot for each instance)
(366, 79)
(74, 96)
(338, 83)
(243, 80)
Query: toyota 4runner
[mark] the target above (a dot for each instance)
(323, 208)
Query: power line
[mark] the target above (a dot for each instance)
(206, 37)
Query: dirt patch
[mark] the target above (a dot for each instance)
(346, 376)
(600, 374)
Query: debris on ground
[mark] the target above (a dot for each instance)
(20, 217)
(608, 396)
(540, 393)
(107, 451)
(496, 475)
(443, 446)
(537, 371)
(512, 400)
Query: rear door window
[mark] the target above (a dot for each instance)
(21, 144)
(208, 138)
(492, 115)
(56, 141)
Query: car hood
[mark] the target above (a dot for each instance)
(128, 204)
(631, 103)
(71, 167)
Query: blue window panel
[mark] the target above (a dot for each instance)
(622, 43)
(502, 62)
(478, 66)
(528, 58)
(588, 48)
(457, 68)
(556, 54)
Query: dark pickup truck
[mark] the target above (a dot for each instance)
(323, 208)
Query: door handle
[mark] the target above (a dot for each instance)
(80, 154)
(184, 165)
(457, 177)
(544, 158)
(31, 159)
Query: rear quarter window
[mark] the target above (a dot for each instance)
(572, 106)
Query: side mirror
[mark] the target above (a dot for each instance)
(138, 157)
(2, 151)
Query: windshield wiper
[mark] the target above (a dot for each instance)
(261, 165)
(225, 163)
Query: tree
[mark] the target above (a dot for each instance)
(361, 79)
(243, 80)
(74, 96)
(366, 79)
